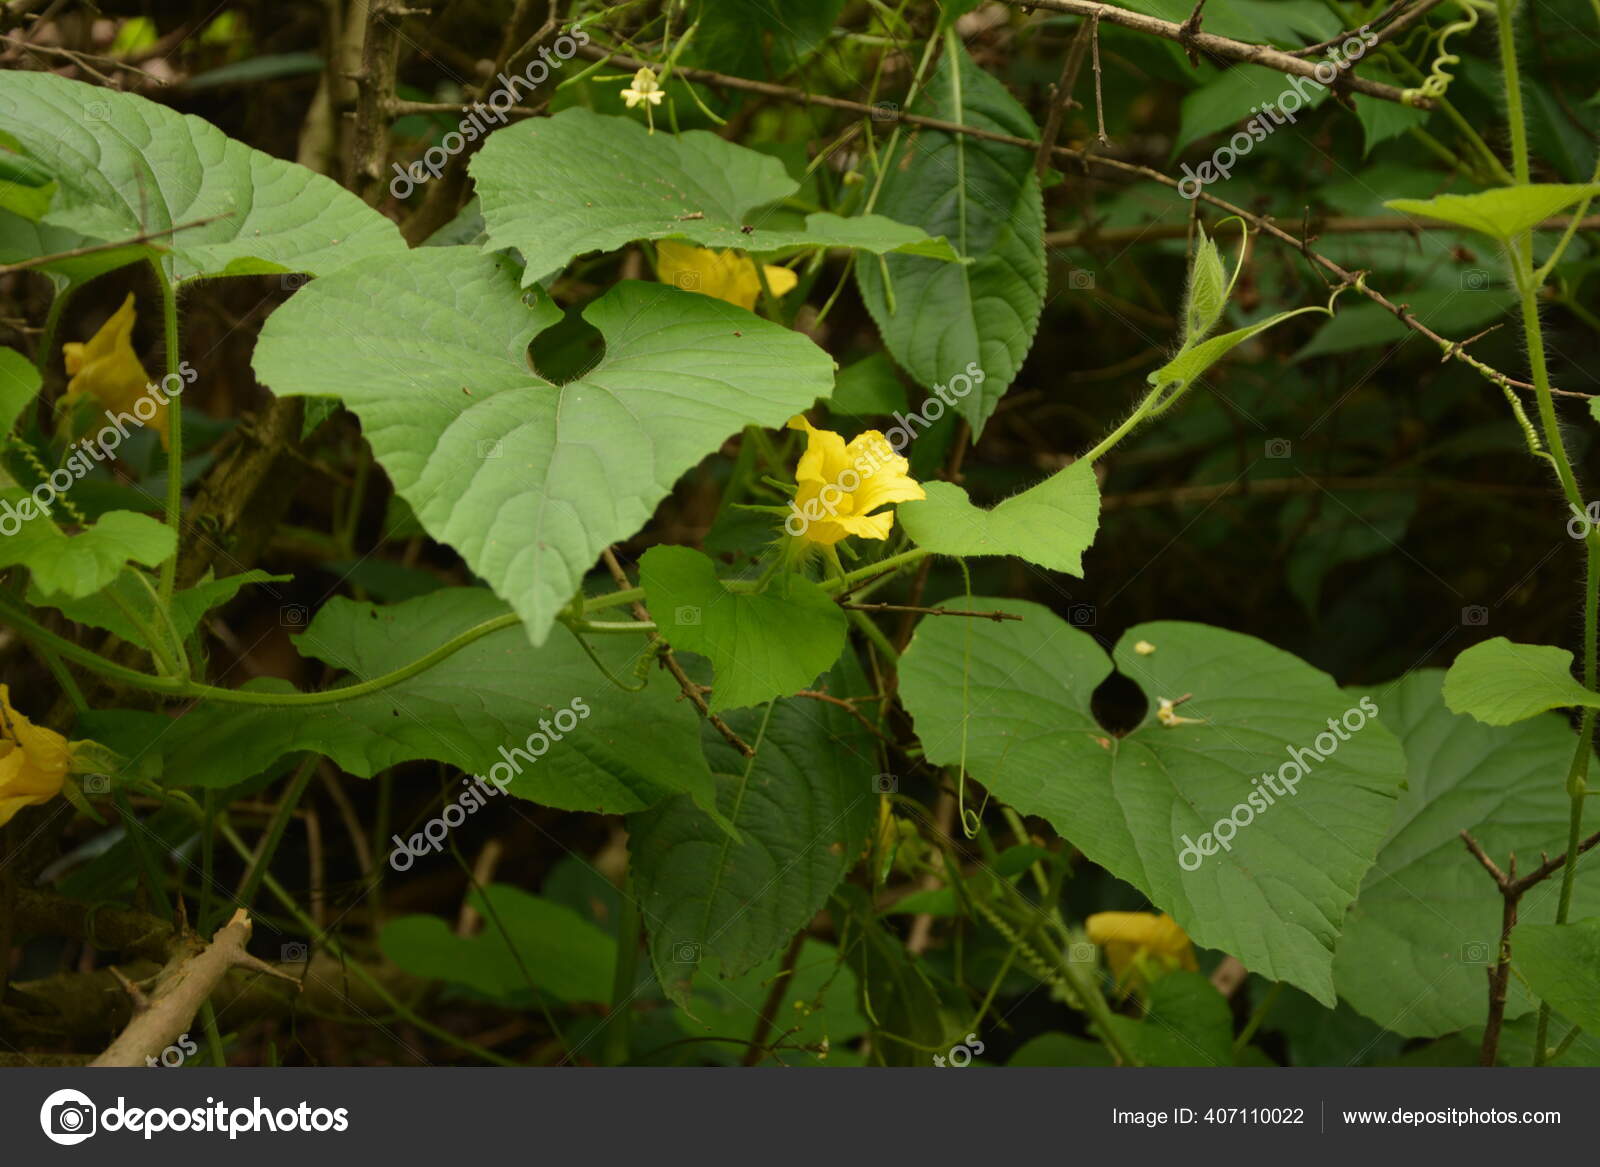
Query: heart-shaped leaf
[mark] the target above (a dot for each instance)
(530, 481)
(125, 166)
(1503, 213)
(1050, 524)
(558, 187)
(760, 644)
(1499, 682)
(1260, 867)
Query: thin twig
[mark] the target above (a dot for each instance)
(670, 663)
(1212, 45)
(995, 616)
(1259, 222)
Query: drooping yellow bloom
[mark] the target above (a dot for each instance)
(107, 369)
(839, 486)
(34, 761)
(726, 275)
(1140, 945)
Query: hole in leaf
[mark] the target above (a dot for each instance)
(1119, 704)
(568, 350)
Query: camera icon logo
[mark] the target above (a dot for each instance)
(294, 953)
(689, 281)
(1081, 615)
(68, 1117)
(1476, 952)
(289, 281)
(96, 784)
(97, 111)
(885, 111)
(1279, 447)
(686, 615)
(685, 952)
(489, 448)
(294, 616)
(1475, 615)
(1081, 953)
(1081, 280)
(1474, 279)
(885, 784)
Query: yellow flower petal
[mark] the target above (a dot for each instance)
(723, 275)
(1132, 939)
(838, 486)
(107, 369)
(33, 761)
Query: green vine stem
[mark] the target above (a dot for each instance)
(175, 687)
(1527, 283)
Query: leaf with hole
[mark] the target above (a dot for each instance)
(528, 480)
(1153, 806)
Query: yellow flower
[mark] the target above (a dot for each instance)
(644, 89)
(725, 275)
(1139, 945)
(839, 486)
(107, 369)
(34, 762)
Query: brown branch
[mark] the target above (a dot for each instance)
(1212, 45)
(670, 663)
(1352, 225)
(1511, 891)
(180, 989)
(848, 704)
(1061, 98)
(375, 85)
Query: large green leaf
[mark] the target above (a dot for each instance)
(1503, 213)
(558, 187)
(1499, 682)
(802, 810)
(760, 644)
(1145, 806)
(525, 941)
(19, 385)
(78, 565)
(469, 711)
(1428, 919)
(944, 317)
(530, 481)
(125, 166)
(1562, 965)
(1050, 524)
